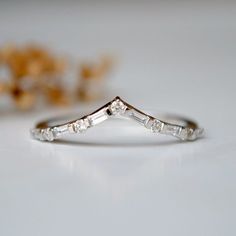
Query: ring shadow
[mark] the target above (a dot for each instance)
(119, 144)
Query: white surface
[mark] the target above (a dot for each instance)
(173, 57)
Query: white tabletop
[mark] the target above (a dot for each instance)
(175, 57)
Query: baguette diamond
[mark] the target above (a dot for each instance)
(139, 117)
(60, 130)
(98, 117)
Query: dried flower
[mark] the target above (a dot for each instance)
(35, 73)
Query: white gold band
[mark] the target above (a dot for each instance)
(181, 128)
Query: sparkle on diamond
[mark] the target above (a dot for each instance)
(117, 107)
(156, 126)
(81, 125)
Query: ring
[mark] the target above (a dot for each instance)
(181, 128)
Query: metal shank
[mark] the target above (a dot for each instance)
(178, 127)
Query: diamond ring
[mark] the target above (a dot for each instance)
(178, 127)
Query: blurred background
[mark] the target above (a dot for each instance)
(173, 56)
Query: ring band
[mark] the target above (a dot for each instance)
(178, 127)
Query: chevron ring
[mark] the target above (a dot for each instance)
(178, 127)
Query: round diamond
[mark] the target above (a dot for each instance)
(117, 107)
(156, 126)
(47, 134)
(81, 125)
